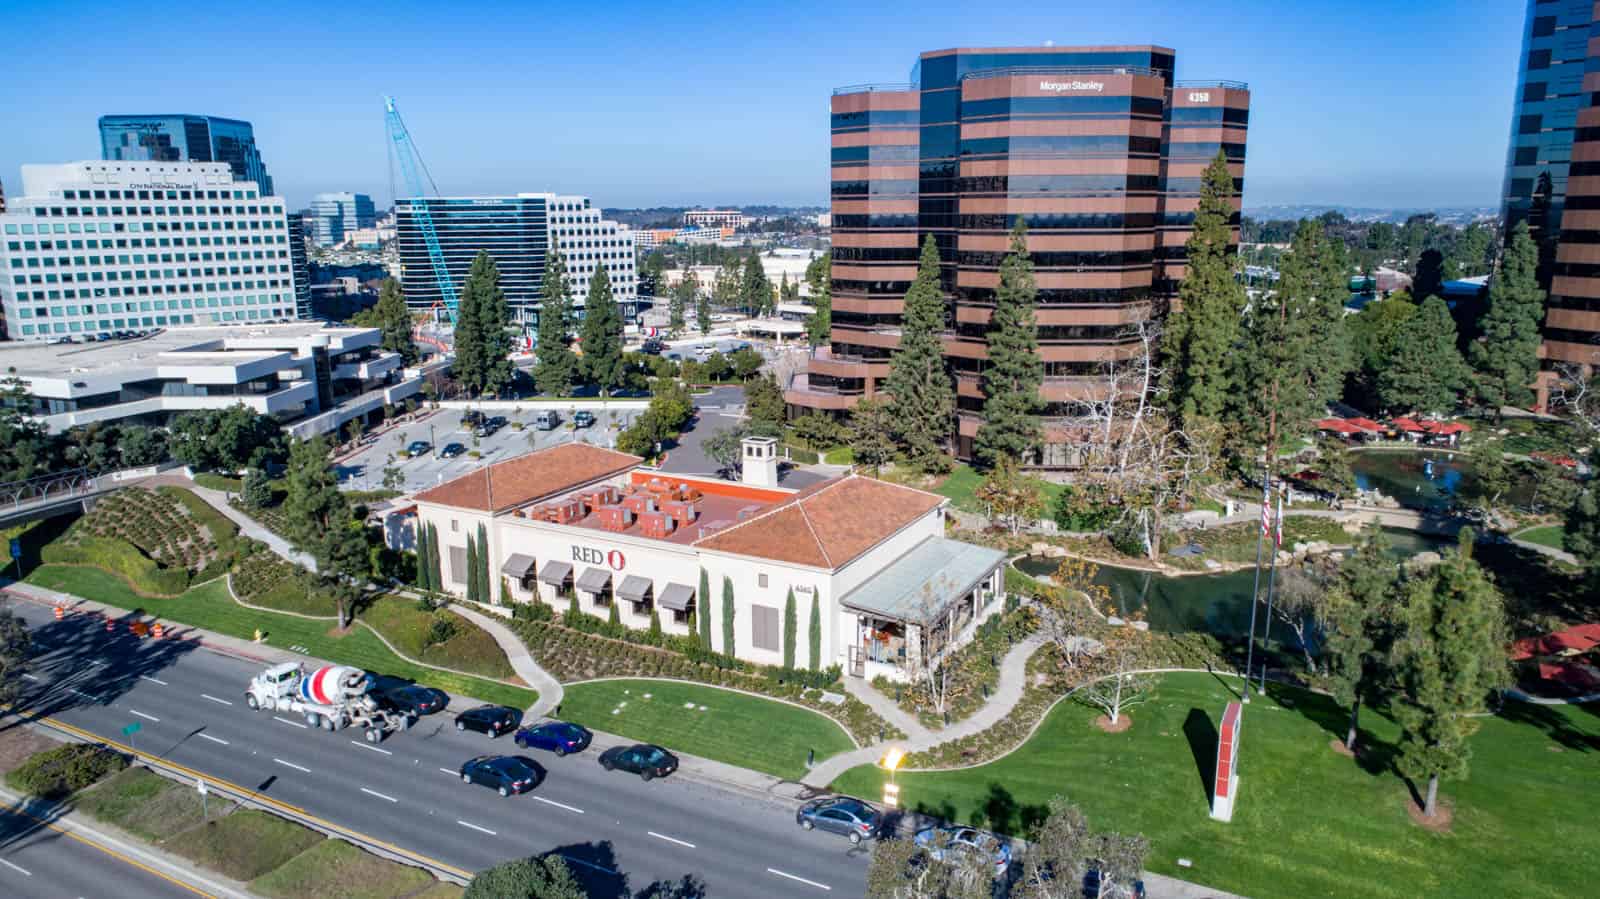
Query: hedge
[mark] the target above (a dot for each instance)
(120, 558)
(58, 773)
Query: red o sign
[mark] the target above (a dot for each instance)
(616, 560)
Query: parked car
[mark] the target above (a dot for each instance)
(497, 421)
(652, 347)
(451, 450)
(471, 418)
(560, 737)
(943, 843)
(418, 447)
(485, 430)
(546, 420)
(583, 419)
(843, 815)
(493, 720)
(644, 759)
(413, 699)
(1091, 887)
(505, 774)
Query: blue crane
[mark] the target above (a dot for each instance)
(403, 148)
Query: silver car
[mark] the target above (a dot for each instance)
(842, 815)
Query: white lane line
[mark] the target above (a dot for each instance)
(287, 721)
(559, 804)
(85, 695)
(144, 716)
(451, 773)
(662, 836)
(476, 827)
(29, 677)
(379, 795)
(813, 883)
(213, 739)
(153, 680)
(16, 867)
(214, 699)
(370, 746)
(291, 765)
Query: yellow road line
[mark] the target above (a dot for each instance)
(113, 853)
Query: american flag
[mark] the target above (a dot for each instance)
(1266, 510)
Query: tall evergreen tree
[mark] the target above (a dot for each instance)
(755, 291)
(815, 660)
(485, 567)
(472, 568)
(555, 365)
(1541, 228)
(1353, 622)
(1426, 373)
(1507, 359)
(702, 604)
(435, 568)
(602, 334)
(322, 525)
(819, 278)
(393, 321)
(683, 293)
(424, 582)
(1428, 281)
(1201, 334)
(727, 615)
(481, 364)
(791, 624)
(924, 402)
(495, 325)
(872, 430)
(702, 311)
(1582, 537)
(1014, 371)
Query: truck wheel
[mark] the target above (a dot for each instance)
(269, 704)
(313, 720)
(329, 724)
(373, 736)
(251, 701)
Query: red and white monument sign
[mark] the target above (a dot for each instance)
(1225, 781)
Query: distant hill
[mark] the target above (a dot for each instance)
(1455, 215)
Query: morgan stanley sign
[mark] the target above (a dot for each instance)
(1057, 87)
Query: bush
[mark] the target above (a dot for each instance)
(120, 558)
(441, 628)
(532, 611)
(58, 773)
(802, 455)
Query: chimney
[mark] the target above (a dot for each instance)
(760, 461)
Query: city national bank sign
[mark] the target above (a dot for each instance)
(1060, 87)
(589, 555)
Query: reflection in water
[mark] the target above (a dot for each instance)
(1426, 481)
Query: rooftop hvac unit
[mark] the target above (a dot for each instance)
(748, 511)
(681, 512)
(656, 524)
(568, 512)
(599, 496)
(615, 518)
(639, 503)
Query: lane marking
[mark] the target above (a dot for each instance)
(214, 699)
(144, 716)
(291, 765)
(379, 795)
(153, 680)
(26, 676)
(287, 721)
(16, 867)
(111, 852)
(213, 739)
(476, 827)
(451, 773)
(813, 883)
(85, 695)
(662, 836)
(370, 746)
(559, 804)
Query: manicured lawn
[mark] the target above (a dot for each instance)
(150, 806)
(964, 481)
(734, 728)
(840, 455)
(1308, 822)
(1549, 535)
(407, 627)
(208, 606)
(334, 869)
(246, 844)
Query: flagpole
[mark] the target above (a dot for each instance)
(1272, 582)
(1250, 642)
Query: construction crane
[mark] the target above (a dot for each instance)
(415, 172)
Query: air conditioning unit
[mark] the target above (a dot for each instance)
(615, 518)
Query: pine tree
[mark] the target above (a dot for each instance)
(1425, 373)
(393, 321)
(727, 616)
(755, 291)
(791, 623)
(1014, 371)
(1353, 620)
(702, 311)
(872, 433)
(816, 634)
(257, 489)
(1507, 359)
(556, 367)
(602, 334)
(683, 293)
(322, 525)
(702, 602)
(1201, 334)
(1450, 654)
(481, 364)
(923, 402)
(494, 324)
(485, 566)
(424, 581)
(819, 277)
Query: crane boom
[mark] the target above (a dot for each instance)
(414, 172)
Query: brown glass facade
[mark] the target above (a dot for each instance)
(1572, 312)
(1097, 148)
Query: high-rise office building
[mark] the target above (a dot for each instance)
(1550, 91)
(185, 138)
(89, 247)
(335, 216)
(517, 231)
(1098, 149)
(300, 264)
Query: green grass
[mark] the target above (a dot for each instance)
(148, 805)
(840, 455)
(962, 485)
(735, 728)
(471, 649)
(1308, 822)
(246, 844)
(214, 481)
(1547, 535)
(209, 606)
(334, 869)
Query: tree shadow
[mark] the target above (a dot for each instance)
(1202, 736)
(1373, 755)
(1556, 726)
(595, 867)
(998, 811)
(27, 816)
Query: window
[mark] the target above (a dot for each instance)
(761, 580)
(764, 627)
(458, 564)
(455, 525)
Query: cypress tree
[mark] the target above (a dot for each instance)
(469, 365)
(819, 277)
(614, 617)
(1014, 371)
(485, 577)
(727, 616)
(494, 320)
(816, 633)
(435, 567)
(424, 581)
(556, 367)
(1507, 359)
(923, 397)
(791, 623)
(702, 603)
(755, 291)
(472, 568)
(683, 293)
(702, 311)
(393, 321)
(1426, 373)
(1200, 337)
(602, 334)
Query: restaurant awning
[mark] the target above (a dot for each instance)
(634, 588)
(594, 580)
(556, 573)
(676, 597)
(517, 566)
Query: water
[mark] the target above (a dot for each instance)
(1426, 481)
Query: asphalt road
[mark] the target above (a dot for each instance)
(620, 833)
(38, 862)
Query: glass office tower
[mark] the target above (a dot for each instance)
(1549, 94)
(185, 138)
(335, 215)
(515, 231)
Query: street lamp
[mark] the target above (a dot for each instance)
(892, 758)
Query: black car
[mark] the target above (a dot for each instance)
(493, 720)
(505, 774)
(644, 759)
(471, 418)
(843, 815)
(412, 699)
(451, 450)
(652, 347)
(559, 737)
(583, 419)
(497, 422)
(418, 447)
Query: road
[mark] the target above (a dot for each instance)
(620, 833)
(38, 861)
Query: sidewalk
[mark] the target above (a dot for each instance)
(550, 691)
(249, 527)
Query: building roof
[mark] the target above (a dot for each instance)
(827, 525)
(919, 585)
(529, 477)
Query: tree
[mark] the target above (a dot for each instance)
(256, 490)
(219, 439)
(393, 321)
(321, 524)
(746, 362)
(1119, 685)
(1451, 652)
(817, 430)
(1426, 373)
(16, 647)
(900, 869)
(727, 616)
(1507, 358)
(724, 448)
(683, 293)
(1011, 496)
(555, 367)
(1582, 537)
(544, 877)
(717, 367)
(1492, 473)
(1333, 469)
(871, 433)
(1202, 332)
(815, 641)
(141, 446)
(393, 477)
(485, 563)
(472, 568)
(819, 278)
(763, 400)
(1014, 371)
(702, 309)
(1374, 332)
(791, 624)
(1351, 617)
(435, 569)
(702, 604)
(1428, 281)
(1297, 604)
(1119, 859)
(1057, 859)
(26, 448)
(602, 334)
(923, 402)
(424, 570)
(755, 290)
(1069, 610)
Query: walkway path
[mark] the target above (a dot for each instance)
(248, 526)
(1013, 680)
(550, 691)
(886, 708)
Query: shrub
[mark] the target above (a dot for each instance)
(532, 611)
(58, 773)
(442, 628)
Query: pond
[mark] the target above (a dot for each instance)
(1424, 480)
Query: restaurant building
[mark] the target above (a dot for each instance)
(580, 520)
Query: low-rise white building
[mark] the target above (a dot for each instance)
(581, 521)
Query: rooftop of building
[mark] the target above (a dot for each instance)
(531, 477)
(208, 345)
(920, 584)
(717, 505)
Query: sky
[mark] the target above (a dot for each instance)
(1360, 102)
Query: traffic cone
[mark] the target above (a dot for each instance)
(60, 612)
(111, 626)
(156, 631)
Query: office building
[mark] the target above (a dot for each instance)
(185, 138)
(336, 217)
(1549, 93)
(94, 247)
(715, 218)
(517, 231)
(1098, 149)
(299, 265)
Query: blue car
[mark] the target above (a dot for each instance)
(560, 737)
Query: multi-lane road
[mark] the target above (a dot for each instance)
(41, 860)
(613, 828)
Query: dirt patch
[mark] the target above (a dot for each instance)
(339, 633)
(1123, 723)
(1441, 820)
(1338, 747)
(17, 743)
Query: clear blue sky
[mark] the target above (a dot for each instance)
(1361, 102)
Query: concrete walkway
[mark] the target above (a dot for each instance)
(249, 527)
(550, 691)
(886, 708)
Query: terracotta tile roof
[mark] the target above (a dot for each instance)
(529, 477)
(826, 525)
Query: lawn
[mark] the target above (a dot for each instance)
(1547, 535)
(334, 869)
(1308, 822)
(470, 649)
(150, 806)
(964, 481)
(246, 844)
(735, 728)
(209, 606)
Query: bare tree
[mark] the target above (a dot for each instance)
(1069, 611)
(902, 870)
(1298, 604)
(1119, 861)
(933, 674)
(1118, 684)
(1576, 392)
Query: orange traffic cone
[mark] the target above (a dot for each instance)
(157, 631)
(111, 626)
(60, 612)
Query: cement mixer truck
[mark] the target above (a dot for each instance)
(332, 697)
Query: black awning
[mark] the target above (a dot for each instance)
(634, 588)
(594, 580)
(676, 597)
(518, 566)
(556, 573)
